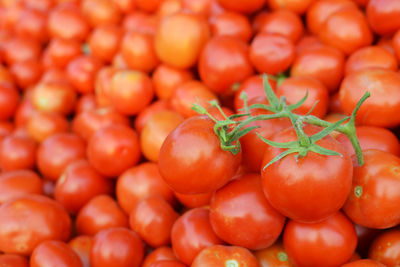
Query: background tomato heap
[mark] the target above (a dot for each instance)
(90, 90)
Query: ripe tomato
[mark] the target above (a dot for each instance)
(233, 63)
(364, 263)
(188, 151)
(141, 182)
(168, 263)
(191, 233)
(299, 190)
(100, 12)
(375, 184)
(383, 105)
(12, 260)
(104, 41)
(9, 99)
(17, 152)
(47, 220)
(307, 42)
(194, 200)
(85, 103)
(140, 22)
(180, 39)
(274, 255)
(26, 73)
(241, 215)
(42, 125)
(328, 243)
(19, 49)
(153, 218)
(218, 255)
(383, 16)
(81, 73)
(101, 212)
(242, 7)
(82, 245)
(110, 143)
(160, 253)
(32, 24)
(232, 24)
(386, 248)
(297, 6)
(59, 52)
(18, 183)
(116, 247)
(148, 112)
(54, 252)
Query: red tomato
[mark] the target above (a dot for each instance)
(21, 49)
(233, 66)
(59, 52)
(180, 38)
(383, 105)
(11, 260)
(153, 218)
(26, 73)
(18, 183)
(116, 247)
(81, 73)
(42, 125)
(271, 53)
(297, 6)
(242, 7)
(32, 23)
(168, 8)
(110, 143)
(307, 42)
(168, 263)
(274, 255)
(9, 99)
(194, 200)
(57, 151)
(140, 22)
(328, 243)
(239, 213)
(149, 111)
(231, 24)
(78, 184)
(85, 103)
(191, 233)
(17, 152)
(386, 248)
(364, 263)
(383, 16)
(160, 253)
(100, 12)
(104, 41)
(56, 253)
(188, 151)
(101, 212)
(47, 220)
(375, 184)
(218, 255)
(82, 245)
(299, 190)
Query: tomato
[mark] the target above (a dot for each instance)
(109, 143)
(87, 123)
(364, 263)
(11, 260)
(85, 103)
(180, 39)
(53, 252)
(54, 74)
(23, 113)
(26, 73)
(21, 49)
(242, 7)
(168, 263)
(386, 248)
(156, 130)
(82, 245)
(18, 183)
(47, 220)
(194, 200)
(383, 16)
(327, 243)
(9, 99)
(101, 212)
(149, 6)
(78, 184)
(188, 151)
(17, 152)
(159, 254)
(131, 91)
(297, 6)
(42, 125)
(370, 57)
(32, 24)
(140, 22)
(218, 255)
(239, 214)
(319, 12)
(166, 79)
(104, 41)
(60, 51)
(200, 7)
(307, 42)
(116, 247)
(81, 73)
(67, 14)
(365, 237)
(169, 7)
(125, 6)
(323, 63)
(149, 111)
(271, 53)
(383, 105)
(5, 75)
(189, 93)
(299, 190)
(371, 137)
(100, 12)
(138, 51)
(233, 63)
(375, 184)
(57, 151)
(231, 24)
(274, 255)
(153, 218)
(191, 233)
(54, 97)
(283, 22)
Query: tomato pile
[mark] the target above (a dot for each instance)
(203, 133)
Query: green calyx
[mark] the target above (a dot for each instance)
(232, 128)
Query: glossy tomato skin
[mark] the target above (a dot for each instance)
(54, 252)
(242, 7)
(241, 215)
(117, 247)
(274, 255)
(12, 260)
(81, 73)
(17, 152)
(232, 24)
(194, 200)
(188, 151)
(42, 125)
(328, 243)
(47, 220)
(233, 63)
(375, 184)
(299, 189)
(383, 16)
(218, 255)
(9, 99)
(386, 248)
(191, 233)
(82, 245)
(380, 109)
(104, 41)
(158, 254)
(364, 263)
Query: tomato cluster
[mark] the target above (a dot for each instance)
(103, 161)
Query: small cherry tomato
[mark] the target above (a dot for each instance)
(9, 99)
